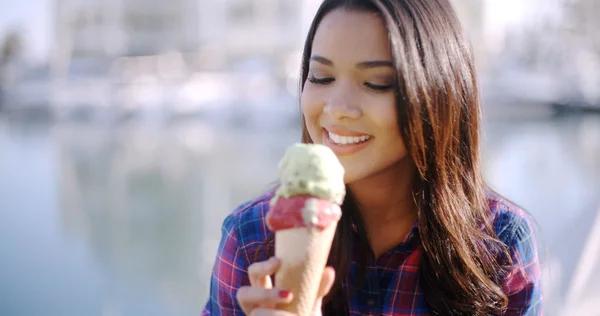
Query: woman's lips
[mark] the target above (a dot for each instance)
(346, 142)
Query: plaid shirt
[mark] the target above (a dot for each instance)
(392, 286)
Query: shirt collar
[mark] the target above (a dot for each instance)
(411, 234)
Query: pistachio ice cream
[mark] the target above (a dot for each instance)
(312, 185)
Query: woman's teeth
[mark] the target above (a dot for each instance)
(345, 140)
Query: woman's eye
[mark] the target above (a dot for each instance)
(378, 87)
(316, 80)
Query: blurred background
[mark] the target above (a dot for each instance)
(130, 128)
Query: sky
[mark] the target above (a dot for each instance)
(34, 18)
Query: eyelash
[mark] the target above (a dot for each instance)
(322, 81)
(325, 81)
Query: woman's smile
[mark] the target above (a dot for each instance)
(344, 141)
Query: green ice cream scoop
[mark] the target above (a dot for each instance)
(311, 169)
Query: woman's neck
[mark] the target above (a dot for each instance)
(387, 195)
(386, 205)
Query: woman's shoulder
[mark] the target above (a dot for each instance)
(510, 221)
(247, 223)
(250, 215)
(521, 279)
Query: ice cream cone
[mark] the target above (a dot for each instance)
(303, 252)
(304, 214)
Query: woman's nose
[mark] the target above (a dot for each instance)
(342, 105)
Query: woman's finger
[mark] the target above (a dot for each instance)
(326, 282)
(260, 273)
(253, 297)
(324, 287)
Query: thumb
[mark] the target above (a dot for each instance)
(325, 286)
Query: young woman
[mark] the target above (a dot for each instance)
(391, 87)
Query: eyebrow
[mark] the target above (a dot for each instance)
(361, 65)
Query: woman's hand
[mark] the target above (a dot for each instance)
(260, 297)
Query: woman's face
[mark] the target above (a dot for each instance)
(348, 99)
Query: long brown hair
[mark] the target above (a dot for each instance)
(438, 110)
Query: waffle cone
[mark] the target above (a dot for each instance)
(303, 252)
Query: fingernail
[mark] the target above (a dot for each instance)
(284, 294)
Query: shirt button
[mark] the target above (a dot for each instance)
(371, 302)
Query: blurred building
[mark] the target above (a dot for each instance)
(111, 28)
(130, 46)
(471, 15)
(536, 51)
(259, 27)
(125, 27)
(539, 51)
